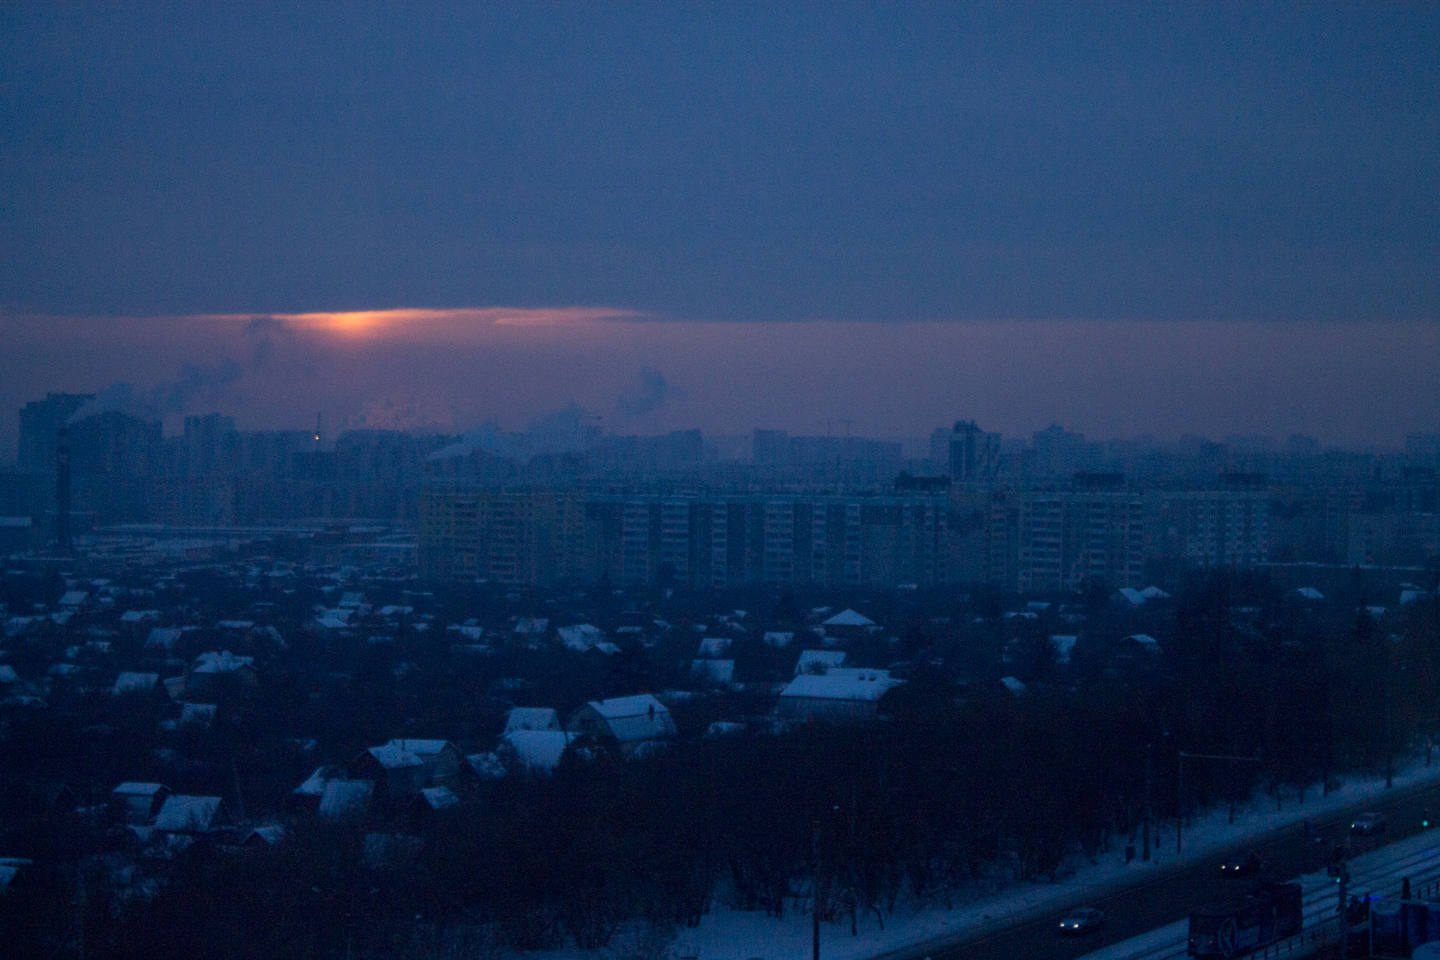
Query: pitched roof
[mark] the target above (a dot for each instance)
(539, 749)
(163, 636)
(531, 718)
(392, 757)
(220, 662)
(860, 685)
(421, 748)
(439, 798)
(345, 797)
(636, 718)
(819, 660)
(186, 814)
(135, 683)
(314, 785)
(849, 618)
(713, 671)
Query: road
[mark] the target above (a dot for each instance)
(1136, 909)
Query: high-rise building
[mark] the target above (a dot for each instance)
(212, 445)
(974, 454)
(40, 423)
(719, 541)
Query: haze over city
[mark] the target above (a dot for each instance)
(893, 216)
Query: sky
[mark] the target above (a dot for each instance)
(1158, 218)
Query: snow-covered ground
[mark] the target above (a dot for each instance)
(914, 929)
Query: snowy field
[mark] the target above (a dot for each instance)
(915, 929)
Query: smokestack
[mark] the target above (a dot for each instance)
(62, 495)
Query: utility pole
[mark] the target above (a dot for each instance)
(815, 892)
(1179, 799)
(1145, 857)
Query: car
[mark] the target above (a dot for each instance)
(1368, 824)
(1247, 864)
(1082, 920)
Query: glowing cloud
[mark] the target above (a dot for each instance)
(361, 322)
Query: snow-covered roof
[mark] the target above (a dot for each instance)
(73, 598)
(1310, 593)
(714, 646)
(135, 616)
(271, 834)
(135, 683)
(202, 713)
(531, 718)
(421, 748)
(818, 661)
(1145, 641)
(1135, 597)
(1013, 684)
(345, 797)
(8, 674)
(439, 798)
(392, 757)
(1063, 644)
(163, 637)
(581, 636)
(1153, 592)
(778, 638)
(532, 625)
(186, 814)
(538, 749)
(640, 717)
(849, 618)
(314, 784)
(134, 789)
(713, 671)
(222, 661)
(863, 685)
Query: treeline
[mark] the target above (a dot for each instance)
(957, 785)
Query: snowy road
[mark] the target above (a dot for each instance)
(1380, 872)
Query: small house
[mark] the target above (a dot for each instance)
(840, 695)
(192, 815)
(628, 721)
(137, 804)
(536, 750)
(394, 771)
(441, 758)
(344, 799)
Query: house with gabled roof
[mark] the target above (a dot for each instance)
(394, 771)
(531, 718)
(839, 695)
(137, 804)
(539, 751)
(344, 799)
(441, 758)
(192, 815)
(629, 722)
